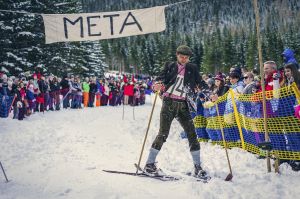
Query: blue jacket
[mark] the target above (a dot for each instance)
(289, 57)
(30, 95)
(98, 86)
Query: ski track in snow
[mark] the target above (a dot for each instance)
(62, 154)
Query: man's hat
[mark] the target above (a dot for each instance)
(184, 50)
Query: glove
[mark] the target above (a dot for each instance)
(19, 104)
(276, 76)
(158, 86)
(201, 96)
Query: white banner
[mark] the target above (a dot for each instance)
(106, 25)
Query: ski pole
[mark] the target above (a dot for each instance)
(123, 112)
(146, 135)
(229, 176)
(133, 108)
(65, 96)
(12, 104)
(123, 97)
(3, 172)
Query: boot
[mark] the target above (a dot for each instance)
(151, 168)
(199, 172)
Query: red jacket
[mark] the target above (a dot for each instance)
(269, 84)
(128, 90)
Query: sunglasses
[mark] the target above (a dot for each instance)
(246, 77)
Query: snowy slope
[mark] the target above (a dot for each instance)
(62, 154)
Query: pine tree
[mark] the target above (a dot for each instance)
(94, 60)
(228, 51)
(251, 52)
(23, 45)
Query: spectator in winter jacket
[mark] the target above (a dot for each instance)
(289, 57)
(43, 87)
(15, 91)
(291, 75)
(220, 87)
(244, 70)
(126, 93)
(210, 85)
(19, 103)
(142, 93)
(250, 87)
(119, 94)
(77, 95)
(4, 90)
(86, 90)
(112, 93)
(35, 85)
(6, 97)
(104, 90)
(205, 78)
(272, 77)
(235, 82)
(92, 93)
(65, 90)
(54, 94)
(72, 89)
(137, 95)
(31, 99)
(131, 93)
(237, 70)
(47, 99)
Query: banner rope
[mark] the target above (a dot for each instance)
(32, 13)
(180, 2)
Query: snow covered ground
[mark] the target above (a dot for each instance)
(62, 154)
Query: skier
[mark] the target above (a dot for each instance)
(178, 79)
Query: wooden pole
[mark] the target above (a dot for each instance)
(262, 74)
(229, 176)
(3, 172)
(123, 111)
(146, 135)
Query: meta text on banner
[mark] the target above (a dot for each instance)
(107, 25)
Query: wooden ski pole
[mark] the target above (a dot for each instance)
(12, 103)
(133, 108)
(65, 96)
(3, 172)
(267, 138)
(123, 112)
(229, 176)
(146, 135)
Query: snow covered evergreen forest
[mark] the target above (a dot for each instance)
(221, 33)
(23, 45)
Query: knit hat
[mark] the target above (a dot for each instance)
(219, 77)
(184, 50)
